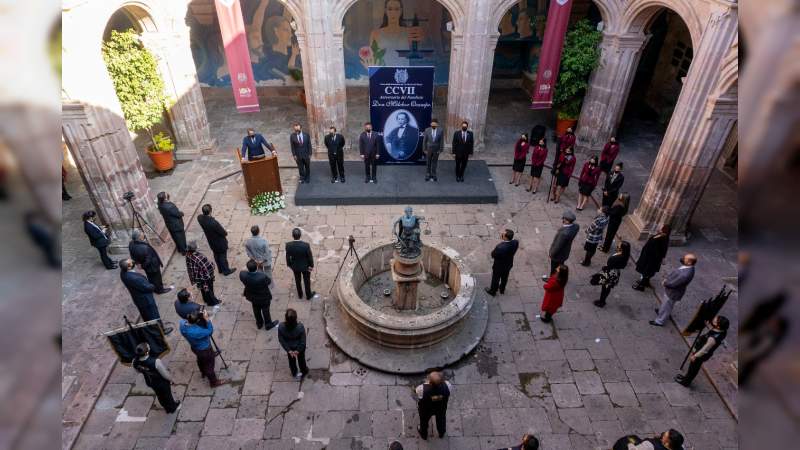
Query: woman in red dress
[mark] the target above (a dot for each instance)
(590, 175)
(554, 293)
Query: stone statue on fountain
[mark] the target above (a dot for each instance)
(407, 231)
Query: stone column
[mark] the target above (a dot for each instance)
(109, 165)
(696, 134)
(187, 111)
(608, 90)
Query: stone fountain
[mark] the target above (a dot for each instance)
(432, 317)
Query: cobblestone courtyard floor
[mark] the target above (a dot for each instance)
(580, 383)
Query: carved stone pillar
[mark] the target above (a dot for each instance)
(187, 111)
(454, 86)
(700, 125)
(608, 91)
(109, 165)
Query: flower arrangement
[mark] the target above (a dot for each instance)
(163, 143)
(267, 202)
(372, 55)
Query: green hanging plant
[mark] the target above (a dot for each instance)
(134, 72)
(581, 55)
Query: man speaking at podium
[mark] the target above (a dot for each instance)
(253, 146)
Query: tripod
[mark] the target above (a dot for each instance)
(138, 221)
(351, 240)
(218, 352)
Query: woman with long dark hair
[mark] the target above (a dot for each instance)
(653, 254)
(616, 212)
(554, 293)
(609, 274)
(520, 154)
(538, 156)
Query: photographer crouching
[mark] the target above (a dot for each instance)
(198, 331)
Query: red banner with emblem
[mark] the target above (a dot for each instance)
(237, 55)
(550, 56)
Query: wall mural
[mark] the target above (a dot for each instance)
(274, 52)
(521, 33)
(396, 33)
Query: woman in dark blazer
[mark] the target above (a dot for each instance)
(520, 154)
(609, 274)
(653, 254)
(616, 212)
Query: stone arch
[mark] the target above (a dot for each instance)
(640, 13)
(453, 7)
(140, 15)
(608, 10)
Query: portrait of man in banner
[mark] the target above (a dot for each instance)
(401, 135)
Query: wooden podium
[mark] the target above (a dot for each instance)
(261, 175)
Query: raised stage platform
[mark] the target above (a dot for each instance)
(397, 184)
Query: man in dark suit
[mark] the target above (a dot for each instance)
(402, 142)
(432, 144)
(216, 236)
(612, 185)
(253, 146)
(147, 258)
(301, 261)
(98, 237)
(503, 255)
(334, 142)
(463, 145)
(562, 242)
(141, 291)
(675, 285)
(300, 142)
(256, 291)
(368, 148)
(173, 219)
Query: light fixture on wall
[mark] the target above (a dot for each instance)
(449, 26)
(293, 24)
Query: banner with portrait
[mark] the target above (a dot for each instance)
(400, 108)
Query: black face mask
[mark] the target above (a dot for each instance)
(463, 128)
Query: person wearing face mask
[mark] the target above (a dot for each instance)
(563, 172)
(334, 142)
(300, 142)
(612, 185)
(675, 285)
(608, 155)
(565, 141)
(253, 146)
(368, 148)
(538, 155)
(590, 175)
(432, 144)
(463, 145)
(520, 154)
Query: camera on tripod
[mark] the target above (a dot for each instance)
(128, 196)
(351, 240)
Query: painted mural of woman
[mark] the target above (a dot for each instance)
(392, 35)
(280, 54)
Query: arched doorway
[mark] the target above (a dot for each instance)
(273, 35)
(394, 32)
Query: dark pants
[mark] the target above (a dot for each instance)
(611, 232)
(304, 167)
(425, 417)
(694, 369)
(301, 360)
(337, 165)
(461, 165)
(222, 262)
(591, 249)
(207, 291)
(164, 395)
(148, 311)
(179, 237)
(155, 279)
(104, 257)
(371, 167)
(431, 163)
(554, 265)
(499, 280)
(608, 200)
(604, 292)
(261, 313)
(205, 362)
(306, 281)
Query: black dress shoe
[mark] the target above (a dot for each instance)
(333, 180)
(302, 181)
(655, 324)
(427, 178)
(341, 179)
(112, 267)
(638, 287)
(259, 326)
(435, 180)
(366, 180)
(599, 304)
(272, 325)
(311, 295)
(230, 272)
(424, 437)
(489, 291)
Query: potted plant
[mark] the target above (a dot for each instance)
(134, 72)
(580, 57)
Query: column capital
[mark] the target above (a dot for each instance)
(635, 41)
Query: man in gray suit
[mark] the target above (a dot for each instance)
(675, 285)
(432, 144)
(258, 250)
(562, 242)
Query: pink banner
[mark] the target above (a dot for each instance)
(550, 56)
(237, 55)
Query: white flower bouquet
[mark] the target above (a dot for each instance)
(267, 202)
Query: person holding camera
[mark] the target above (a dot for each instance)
(98, 238)
(256, 291)
(292, 337)
(201, 274)
(147, 258)
(197, 330)
(156, 376)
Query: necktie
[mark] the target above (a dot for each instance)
(434, 134)
(253, 139)
(300, 138)
(464, 136)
